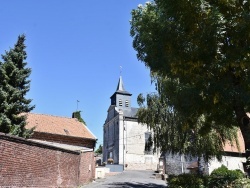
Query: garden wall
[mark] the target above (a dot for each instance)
(87, 166)
(25, 163)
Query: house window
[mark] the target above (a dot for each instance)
(120, 102)
(148, 144)
(126, 103)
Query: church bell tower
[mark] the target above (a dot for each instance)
(121, 98)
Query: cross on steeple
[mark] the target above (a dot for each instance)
(120, 70)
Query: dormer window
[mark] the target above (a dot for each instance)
(120, 102)
(126, 103)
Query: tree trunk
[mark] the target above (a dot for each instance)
(241, 116)
(243, 122)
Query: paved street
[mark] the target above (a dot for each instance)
(128, 179)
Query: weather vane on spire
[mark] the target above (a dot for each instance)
(120, 70)
(77, 101)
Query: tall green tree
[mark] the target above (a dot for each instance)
(175, 133)
(14, 85)
(205, 46)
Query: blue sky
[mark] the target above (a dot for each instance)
(75, 49)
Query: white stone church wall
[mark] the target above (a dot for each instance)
(111, 140)
(134, 140)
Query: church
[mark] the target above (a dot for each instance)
(124, 138)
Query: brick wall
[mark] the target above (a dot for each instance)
(25, 163)
(87, 167)
(85, 142)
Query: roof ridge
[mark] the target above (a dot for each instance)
(50, 115)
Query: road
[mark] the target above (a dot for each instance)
(128, 179)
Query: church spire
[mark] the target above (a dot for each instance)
(120, 86)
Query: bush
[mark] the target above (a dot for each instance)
(241, 183)
(222, 177)
(186, 181)
(219, 178)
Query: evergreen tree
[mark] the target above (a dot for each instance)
(14, 85)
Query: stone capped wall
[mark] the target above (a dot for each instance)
(24, 163)
(177, 164)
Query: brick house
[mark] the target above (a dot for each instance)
(124, 139)
(62, 130)
(59, 154)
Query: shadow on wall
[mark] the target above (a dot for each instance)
(136, 185)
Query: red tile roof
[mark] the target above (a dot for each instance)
(58, 125)
(233, 148)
